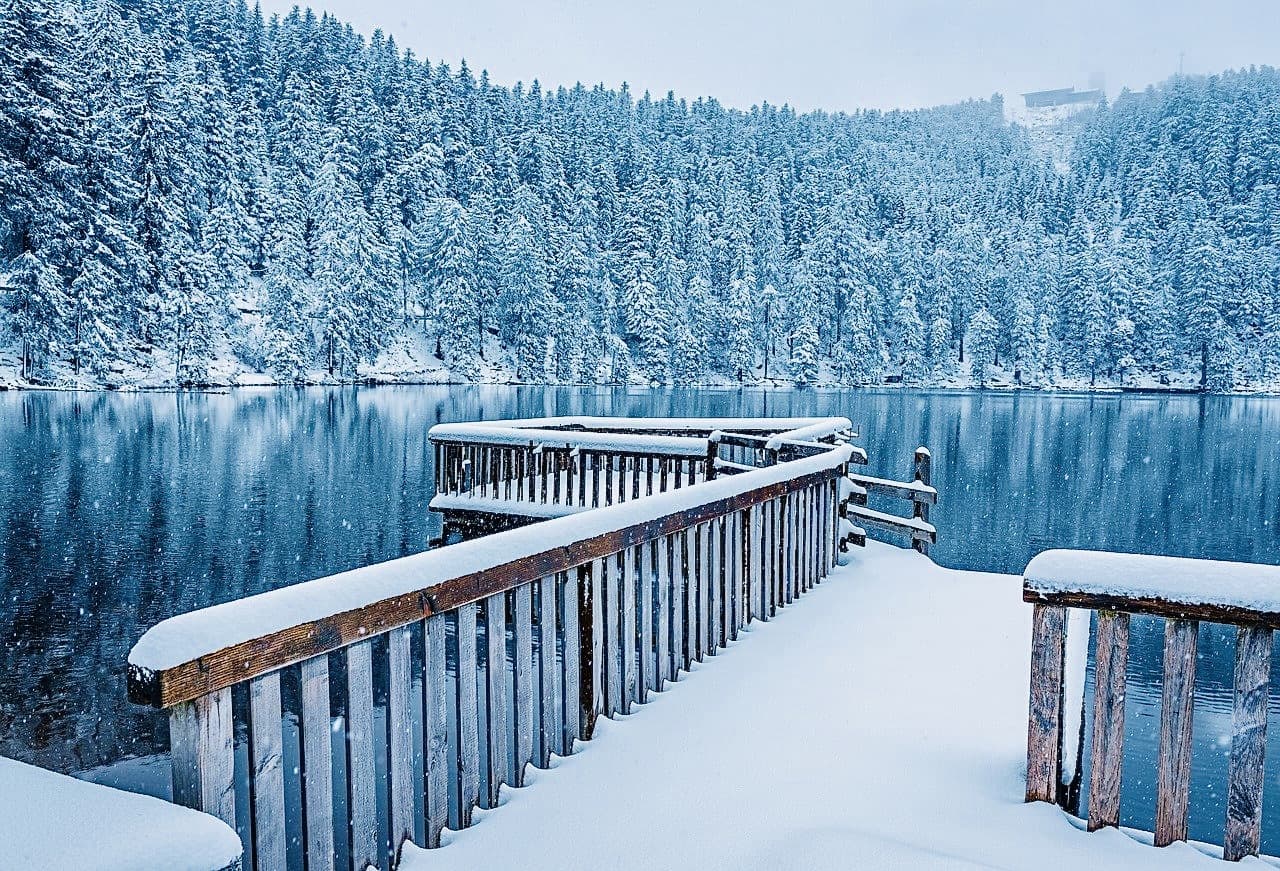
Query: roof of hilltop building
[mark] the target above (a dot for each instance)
(1061, 97)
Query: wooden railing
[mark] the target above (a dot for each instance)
(492, 654)
(502, 473)
(1184, 592)
(575, 463)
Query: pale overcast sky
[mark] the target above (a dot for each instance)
(829, 54)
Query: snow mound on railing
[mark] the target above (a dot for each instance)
(1172, 579)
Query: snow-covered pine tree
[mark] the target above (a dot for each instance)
(984, 336)
(446, 257)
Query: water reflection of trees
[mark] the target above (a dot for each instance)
(119, 510)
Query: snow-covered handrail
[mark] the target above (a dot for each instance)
(619, 599)
(1183, 592)
(688, 425)
(507, 435)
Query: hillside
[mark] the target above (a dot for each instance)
(194, 195)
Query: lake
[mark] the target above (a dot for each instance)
(118, 510)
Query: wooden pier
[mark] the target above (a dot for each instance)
(659, 541)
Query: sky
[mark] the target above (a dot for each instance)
(827, 54)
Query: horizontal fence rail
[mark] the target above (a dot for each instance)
(1184, 592)
(409, 692)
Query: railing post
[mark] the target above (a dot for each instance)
(920, 508)
(1248, 743)
(1044, 715)
(200, 741)
(1105, 765)
(713, 454)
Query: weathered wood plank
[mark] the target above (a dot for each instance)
(646, 592)
(495, 697)
(571, 588)
(1173, 778)
(266, 760)
(549, 688)
(704, 575)
(361, 802)
(1248, 743)
(317, 764)
(522, 679)
(1106, 759)
(612, 611)
(468, 721)
(435, 717)
(715, 585)
(203, 754)
(665, 662)
(593, 698)
(688, 578)
(1044, 712)
(630, 677)
(400, 718)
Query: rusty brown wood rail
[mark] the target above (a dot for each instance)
(1184, 592)
(492, 654)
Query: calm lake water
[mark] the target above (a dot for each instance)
(118, 510)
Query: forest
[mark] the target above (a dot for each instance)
(190, 189)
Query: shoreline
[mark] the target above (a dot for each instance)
(1006, 389)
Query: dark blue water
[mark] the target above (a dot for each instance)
(117, 510)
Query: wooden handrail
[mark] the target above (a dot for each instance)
(156, 679)
(1183, 592)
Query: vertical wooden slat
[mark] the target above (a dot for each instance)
(402, 785)
(435, 716)
(1248, 743)
(715, 579)
(361, 802)
(317, 764)
(467, 729)
(200, 738)
(266, 749)
(630, 682)
(571, 676)
(1044, 712)
(645, 593)
(784, 548)
(594, 704)
(734, 575)
(495, 696)
(548, 672)
(522, 679)
(920, 508)
(703, 575)
(688, 548)
(1173, 777)
(1108, 719)
(613, 635)
(662, 654)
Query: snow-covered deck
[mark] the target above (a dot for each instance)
(878, 722)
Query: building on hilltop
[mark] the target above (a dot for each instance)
(1062, 97)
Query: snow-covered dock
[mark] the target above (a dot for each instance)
(879, 723)
(898, 719)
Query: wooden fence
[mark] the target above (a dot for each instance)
(499, 474)
(1184, 592)
(412, 690)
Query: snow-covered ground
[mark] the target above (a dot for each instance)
(878, 723)
(53, 821)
